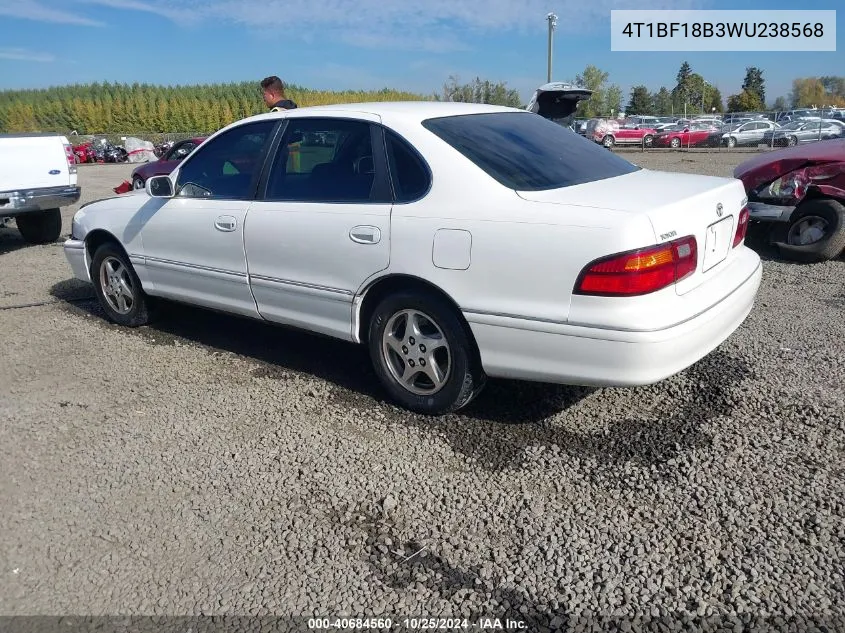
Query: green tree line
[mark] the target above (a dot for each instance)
(109, 108)
(693, 92)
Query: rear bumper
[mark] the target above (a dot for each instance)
(769, 212)
(567, 354)
(14, 203)
(77, 258)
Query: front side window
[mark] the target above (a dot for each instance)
(525, 152)
(323, 160)
(225, 167)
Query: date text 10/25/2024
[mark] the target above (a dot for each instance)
(416, 624)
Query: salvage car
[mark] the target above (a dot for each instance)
(686, 135)
(798, 195)
(165, 164)
(625, 134)
(747, 133)
(457, 241)
(800, 132)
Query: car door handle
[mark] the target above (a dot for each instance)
(365, 234)
(225, 223)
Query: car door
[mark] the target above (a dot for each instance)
(626, 134)
(761, 128)
(193, 242)
(321, 227)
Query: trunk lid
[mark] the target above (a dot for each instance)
(32, 161)
(676, 204)
(557, 100)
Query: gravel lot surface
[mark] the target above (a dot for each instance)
(213, 465)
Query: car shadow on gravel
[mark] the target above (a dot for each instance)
(525, 414)
(655, 437)
(277, 348)
(10, 240)
(281, 349)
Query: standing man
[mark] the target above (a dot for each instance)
(274, 94)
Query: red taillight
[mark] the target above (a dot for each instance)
(71, 159)
(640, 271)
(741, 227)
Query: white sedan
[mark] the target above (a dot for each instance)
(457, 241)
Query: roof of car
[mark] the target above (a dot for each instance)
(409, 110)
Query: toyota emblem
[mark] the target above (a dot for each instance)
(719, 209)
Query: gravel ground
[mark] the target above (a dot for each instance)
(212, 465)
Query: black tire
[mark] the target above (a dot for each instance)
(608, 141)
(139, 313)
(829, 246)
(465, 377)
(41, 227)
(676, 142)
(648, 139)
(731, 142)
(791, 141)
(138, 182)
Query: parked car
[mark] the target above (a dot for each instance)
(456, 241)
(799, 132)
(685, 135)
(38, 176)
(165, 164)
(747, 133)
(615, 133)
(799, 193)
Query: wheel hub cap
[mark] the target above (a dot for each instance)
(116, 285)
(807, 230)
(416, 352)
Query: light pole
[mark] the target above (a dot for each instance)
(552, 18)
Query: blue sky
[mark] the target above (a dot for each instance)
(365, 44)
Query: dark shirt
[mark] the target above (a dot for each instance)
(285, 104)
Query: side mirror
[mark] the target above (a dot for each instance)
(160, 187)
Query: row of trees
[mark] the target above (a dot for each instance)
(478, 91)
(692, 91)
(109, 108)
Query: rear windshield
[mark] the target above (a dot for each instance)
(527, 152)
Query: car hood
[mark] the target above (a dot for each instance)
(557, 100)
(766, 167)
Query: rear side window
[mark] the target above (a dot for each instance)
(527, 152)
(409, 174)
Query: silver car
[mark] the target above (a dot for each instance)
(748, 133)
(799, 132)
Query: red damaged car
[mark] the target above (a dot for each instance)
(613, 133)
(800, 191)
(689, 135)
(165, 164)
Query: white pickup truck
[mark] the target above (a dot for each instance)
(37, 177)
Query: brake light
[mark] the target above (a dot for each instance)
(71, 158)
(741, 227)
(640, 271)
